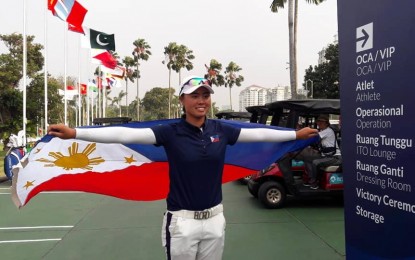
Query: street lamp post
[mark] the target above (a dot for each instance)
(306, 86)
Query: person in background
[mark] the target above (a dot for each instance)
(315, 157)
(193, 224)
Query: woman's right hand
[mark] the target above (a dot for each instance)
(62, 131)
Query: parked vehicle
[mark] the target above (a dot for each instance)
(287, 176)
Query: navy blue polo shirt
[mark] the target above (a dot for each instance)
(196, 160)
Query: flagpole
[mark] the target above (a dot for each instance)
(64, 73)
(99, 92)
(92, 108)
(79, 83)
(45, 80)
(104, 99)
(88, 91)
(24, 71)
(104, 96)
(87, 104)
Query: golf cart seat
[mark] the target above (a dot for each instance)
(331, 168)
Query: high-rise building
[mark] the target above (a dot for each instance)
(278, 93)
(252, 96)
(257, 96)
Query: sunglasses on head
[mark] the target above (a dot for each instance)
(197, 81)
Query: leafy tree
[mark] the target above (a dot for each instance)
(11, 108)
(117, 101)
(170, 57)
(184, 59)
(11, 64)
(292, 28)
(325, 76)
(154, 103)
(141, 52)
(214, 73)
(232, 77)
(11, 72)
(36, 102)
(131, 73)
(216, 78)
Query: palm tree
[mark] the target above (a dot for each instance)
(214, 73)
(292, 27)
(232, 77)
(140, 52)
(129, 63)
(215, 77)
(183, 60)
(117, 100)
(170, 53)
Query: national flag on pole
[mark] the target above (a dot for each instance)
(92, 86)
(70, 92)
(76, 17)
(127, 171)
(70, 11)
(106, 59)
(112, 82)
(98, 40)
(117, 72)
(51, 6)
(83, 89)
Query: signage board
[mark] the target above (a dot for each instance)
(377, 93)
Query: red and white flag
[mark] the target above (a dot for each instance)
(105, 58)
(70, 11)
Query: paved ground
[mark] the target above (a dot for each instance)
(88, 226)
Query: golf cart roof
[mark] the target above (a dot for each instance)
(258, 109)
(309, 106)
(233, 115)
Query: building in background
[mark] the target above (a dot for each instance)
(322, 53)
(257, 96)
(252, 96)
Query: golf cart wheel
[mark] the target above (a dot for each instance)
(272, 194)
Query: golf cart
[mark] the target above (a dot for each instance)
(287, 176)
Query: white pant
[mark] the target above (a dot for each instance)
(193, 239)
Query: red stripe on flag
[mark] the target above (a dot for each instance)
(147, 182)
(232, 173)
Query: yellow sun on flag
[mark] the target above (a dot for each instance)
(75, 159)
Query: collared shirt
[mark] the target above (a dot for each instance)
(196, 159)
(328, 139)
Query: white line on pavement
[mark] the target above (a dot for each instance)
(29, 240)
(34, 227)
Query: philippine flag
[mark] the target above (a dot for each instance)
(133, 172)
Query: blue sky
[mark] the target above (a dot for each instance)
(243, 31)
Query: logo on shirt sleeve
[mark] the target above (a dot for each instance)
(214, 138)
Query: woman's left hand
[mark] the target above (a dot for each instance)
(306, 132)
